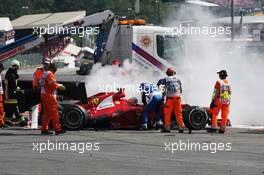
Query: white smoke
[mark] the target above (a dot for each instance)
(205, 56)
(109, 78)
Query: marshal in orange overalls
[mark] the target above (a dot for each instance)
(173, 102)
(221, 98)
(48, 85)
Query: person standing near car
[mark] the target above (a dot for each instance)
(33, 119)
(49, 85)
(220, 102)
(152, 100)
(39, 71)
(173, 92)
(11, 78)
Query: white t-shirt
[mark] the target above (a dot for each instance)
(173, 86)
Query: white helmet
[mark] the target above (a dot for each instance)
(14, 64)
(46, 61)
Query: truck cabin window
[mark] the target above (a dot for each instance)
(2, 36)
(169, 48)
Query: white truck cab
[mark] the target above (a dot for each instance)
(152, 47)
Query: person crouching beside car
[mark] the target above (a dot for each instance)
(152, 100)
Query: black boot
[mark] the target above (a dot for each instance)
(46, 132)
(221, 131)
(62, 131)
(165, 130)
(212, 130)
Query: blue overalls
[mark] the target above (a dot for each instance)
(154, 101)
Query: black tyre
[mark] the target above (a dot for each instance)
(74, 117)
(195, 118)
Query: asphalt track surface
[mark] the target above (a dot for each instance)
(131, 152)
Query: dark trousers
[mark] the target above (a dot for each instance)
(10, 110)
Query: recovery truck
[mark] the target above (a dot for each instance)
(152, 47)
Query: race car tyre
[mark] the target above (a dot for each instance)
(74, 117)
(61, 109)
(195, 118)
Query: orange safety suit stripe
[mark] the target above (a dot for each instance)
(173, 104)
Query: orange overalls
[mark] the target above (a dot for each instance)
(37, 76)
(36, 79)
(173, 101)
(221, 98)
(1, 104)
(48, 86)
(35, 109)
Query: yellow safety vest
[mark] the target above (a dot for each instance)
(225, 92)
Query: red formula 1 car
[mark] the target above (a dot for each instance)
(113, 111)
(106, 110)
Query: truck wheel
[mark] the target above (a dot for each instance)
(195, 118)
(74, 117)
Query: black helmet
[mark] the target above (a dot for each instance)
(53, 67)
(222, 74)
